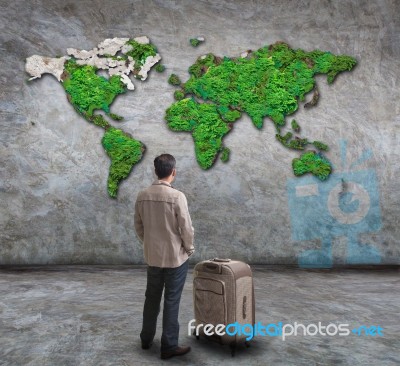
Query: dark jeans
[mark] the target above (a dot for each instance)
(173, 279)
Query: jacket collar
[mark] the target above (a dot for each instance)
(158, 182)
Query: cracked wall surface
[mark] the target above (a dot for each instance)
(53, 204)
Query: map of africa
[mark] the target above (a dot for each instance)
(269, 82)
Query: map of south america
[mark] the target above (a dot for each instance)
(89, 92)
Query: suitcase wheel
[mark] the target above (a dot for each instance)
(247, 344)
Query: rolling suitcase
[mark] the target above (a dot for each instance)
(223, 293)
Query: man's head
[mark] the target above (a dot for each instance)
(165, 166)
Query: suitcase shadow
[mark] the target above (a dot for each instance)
(208, 345)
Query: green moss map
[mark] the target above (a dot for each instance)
(88, 92)
(269, 82)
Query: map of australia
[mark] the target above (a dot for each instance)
(269, 82)
(87, 91)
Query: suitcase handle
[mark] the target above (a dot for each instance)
(221, 260)
(212, 267)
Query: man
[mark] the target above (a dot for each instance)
(163, 224)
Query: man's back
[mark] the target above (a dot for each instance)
(163, 223)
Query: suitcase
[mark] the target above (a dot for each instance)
(223, 293)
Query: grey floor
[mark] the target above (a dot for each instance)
(91, 315)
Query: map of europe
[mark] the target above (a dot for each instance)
(269, 82)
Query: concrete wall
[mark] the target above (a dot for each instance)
(54, 205)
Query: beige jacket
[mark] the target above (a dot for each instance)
(163, 224)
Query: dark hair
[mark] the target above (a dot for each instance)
(164, 165)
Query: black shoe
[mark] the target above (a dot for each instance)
(179, 351)
(146, 345)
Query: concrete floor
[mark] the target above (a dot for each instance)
(91, 315)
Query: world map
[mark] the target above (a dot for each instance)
(269, 82)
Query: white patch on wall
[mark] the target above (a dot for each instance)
(307, 190)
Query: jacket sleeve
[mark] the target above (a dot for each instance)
(139, 228)
(185, 224)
